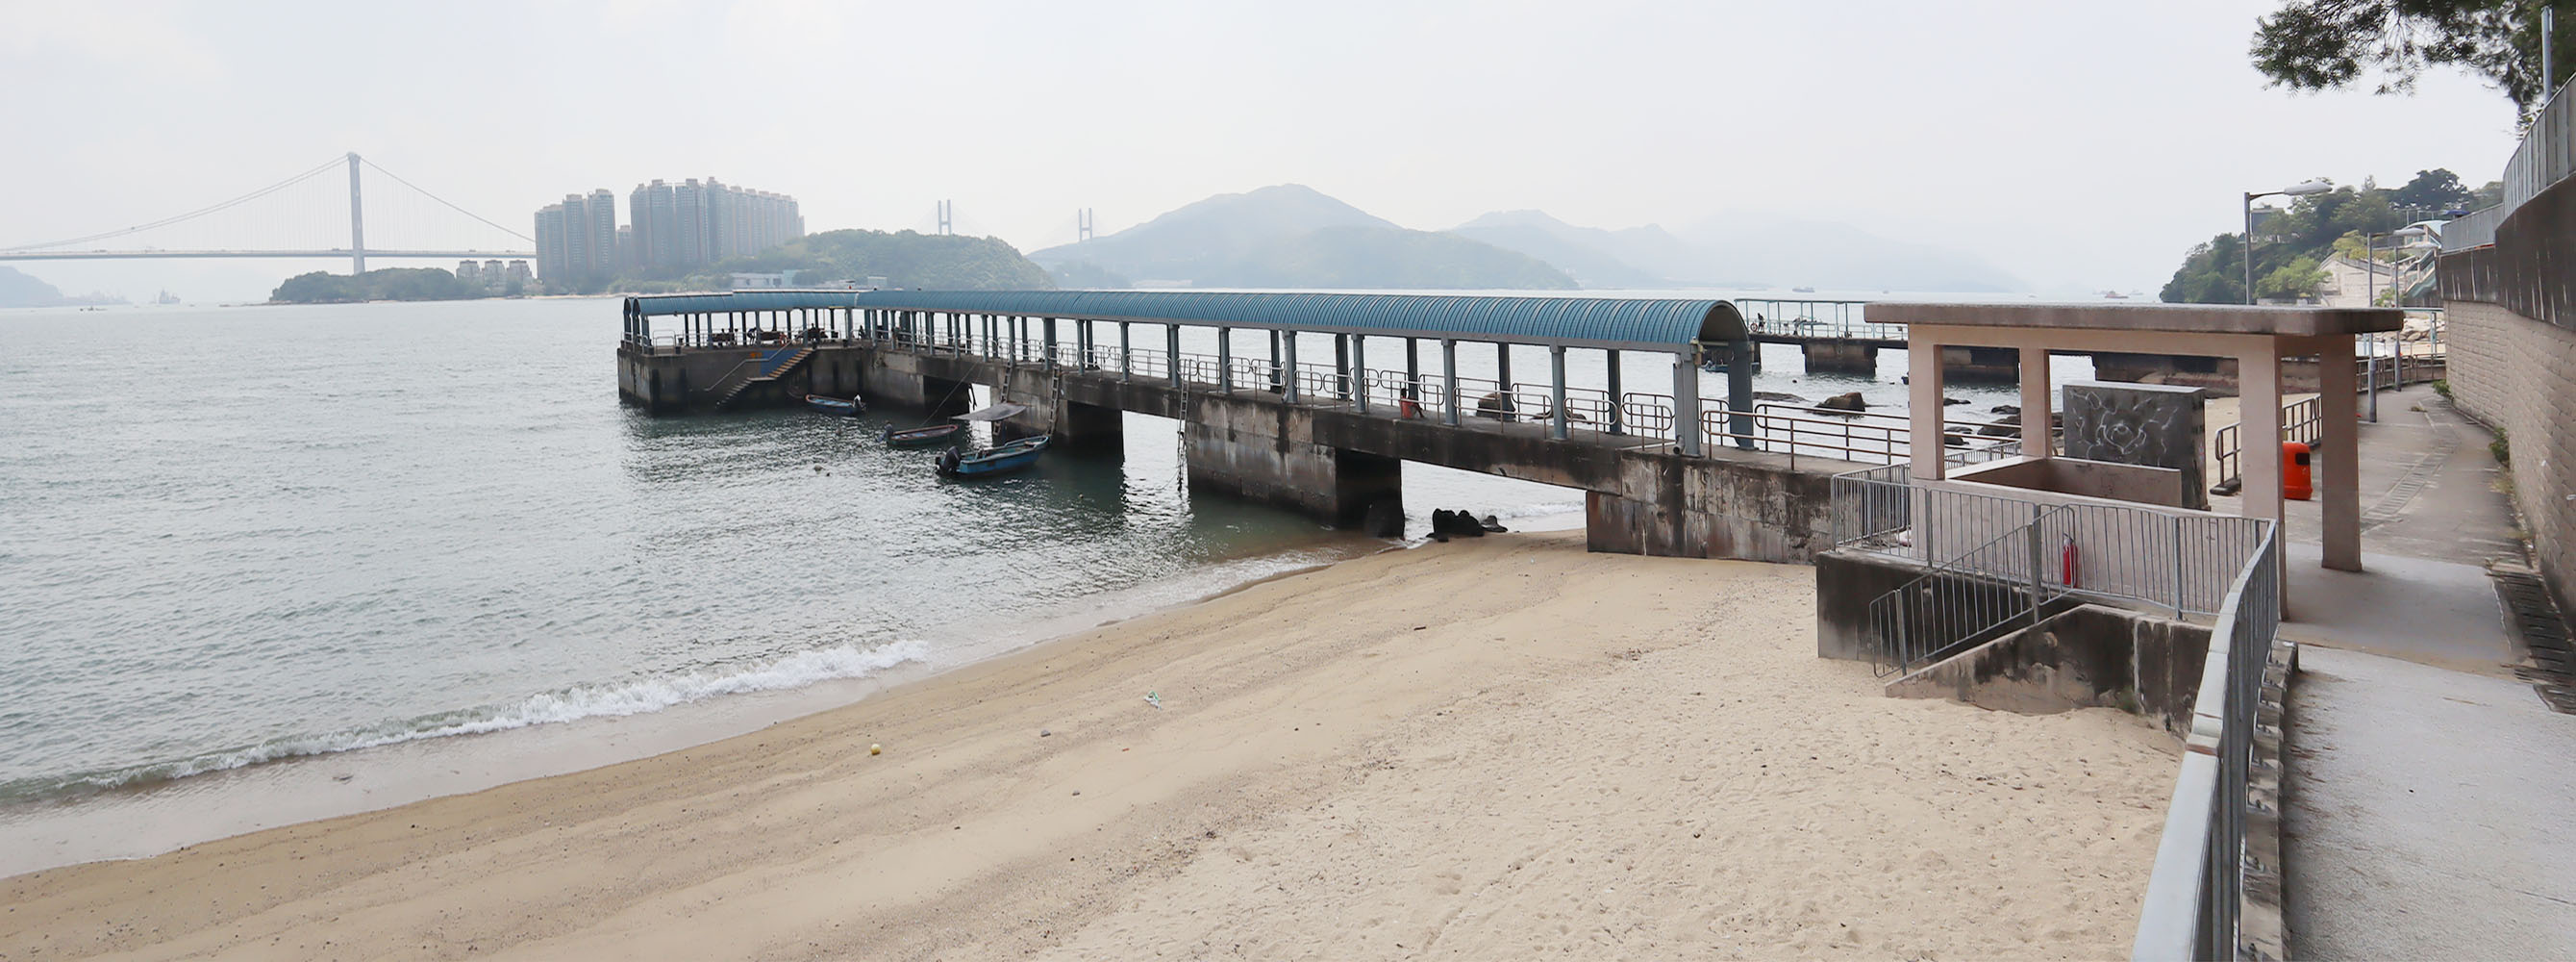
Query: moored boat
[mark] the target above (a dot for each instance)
(986, 462)
(922, 437)
(833, 405)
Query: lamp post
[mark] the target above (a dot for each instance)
(2294, 190)
(2370, 259)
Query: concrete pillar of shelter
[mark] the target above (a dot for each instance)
(1925, 415)
(1839, 357)
(2035, 405)
(2339, 437)
(2259, 437)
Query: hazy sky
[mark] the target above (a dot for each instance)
(2078, 145)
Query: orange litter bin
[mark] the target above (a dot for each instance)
(2297, 484)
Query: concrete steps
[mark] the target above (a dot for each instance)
(782, 369)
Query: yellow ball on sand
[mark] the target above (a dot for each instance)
(876, 749)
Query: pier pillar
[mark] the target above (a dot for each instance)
(1840, 357)
(1994, 365)
(1257, 448)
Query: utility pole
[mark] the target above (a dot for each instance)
(357, 222)
(2548, 71)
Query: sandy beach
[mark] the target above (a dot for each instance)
(1500, 748)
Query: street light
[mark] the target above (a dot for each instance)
(2294, 190)
(2370, 259)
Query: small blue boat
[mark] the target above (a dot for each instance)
(987, 462)
(833, 405)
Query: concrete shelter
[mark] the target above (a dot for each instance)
(2258, 338)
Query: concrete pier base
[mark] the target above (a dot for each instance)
(1261, 450)
(1839, 357)
(1993, 365)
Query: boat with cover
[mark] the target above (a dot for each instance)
(986, 462)
(833, 405)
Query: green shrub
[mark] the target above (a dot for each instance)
(2502, 449)
(2443, 388)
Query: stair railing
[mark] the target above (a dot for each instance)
(1966, 598)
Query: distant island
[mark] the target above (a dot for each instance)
(386, 284)
(20, 290)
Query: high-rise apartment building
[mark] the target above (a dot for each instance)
(670, 227)
(577, 239)
(553, 258)
(603, 233)
(698, 222)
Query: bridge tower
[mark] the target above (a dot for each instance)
(1082, 225)
(947, 217)
(357, 222)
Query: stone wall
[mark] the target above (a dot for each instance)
(2519, 375)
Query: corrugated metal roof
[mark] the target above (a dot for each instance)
(657, 305)
(1659, 324)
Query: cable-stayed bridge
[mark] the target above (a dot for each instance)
(306, 215)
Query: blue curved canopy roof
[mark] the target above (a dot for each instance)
(1657, 324)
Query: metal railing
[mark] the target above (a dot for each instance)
(2002, 573)
(2546, 156)
(2196, 896)
(1967, 599)
(2169, 558)
(2298, 423)
(1810, 319)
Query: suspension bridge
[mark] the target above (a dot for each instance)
(305, 216)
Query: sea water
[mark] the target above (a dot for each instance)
(232, 536)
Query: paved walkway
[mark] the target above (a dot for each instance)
(2423, 814)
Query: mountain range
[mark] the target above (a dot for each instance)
(1294, 236)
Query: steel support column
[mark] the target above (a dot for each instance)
(1359, 363)
(1686, 402)
(1449, 379)
(1288, 373)
(1739, 391)
(1618, 404)
(1556, 391)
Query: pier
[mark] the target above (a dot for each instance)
(1337, 393)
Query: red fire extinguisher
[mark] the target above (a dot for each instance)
(2067, 563)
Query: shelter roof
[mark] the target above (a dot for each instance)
(2174, 318)
(1656, 324)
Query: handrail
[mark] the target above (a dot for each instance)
(2546, 155)
(1962, 599)
(2195, 895)
(728, 380)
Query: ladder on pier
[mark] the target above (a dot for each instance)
(769, 369)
